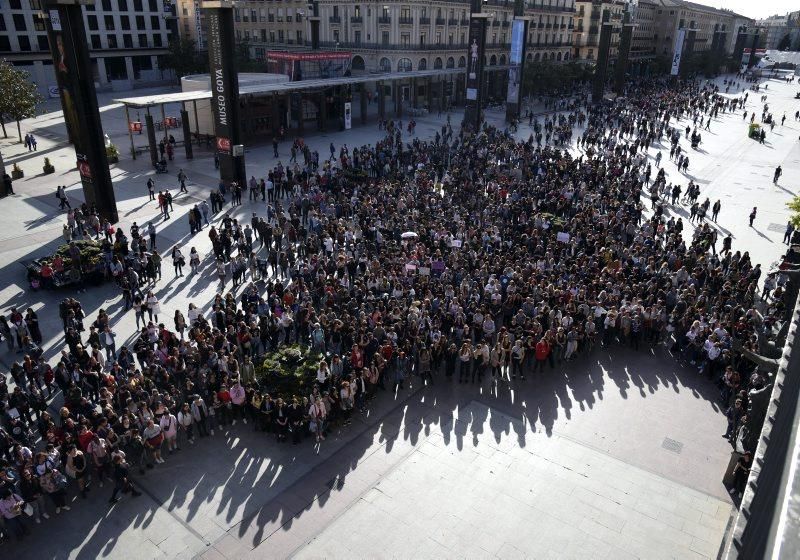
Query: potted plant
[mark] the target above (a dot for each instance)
(112, 153)
(16, 172)
(48, 167)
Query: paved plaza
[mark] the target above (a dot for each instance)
(616, 455)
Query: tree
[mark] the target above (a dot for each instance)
(794, 206)
(20, 96)
(244, 63)
(183, 59)
(783, 44)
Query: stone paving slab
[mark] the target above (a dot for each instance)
(491, 510)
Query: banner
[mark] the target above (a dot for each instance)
(220, 91)
(348, 116)
(515, 60)
(477, 40)
(676, 58)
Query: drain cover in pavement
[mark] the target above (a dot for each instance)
(672, 445)
(779, 228)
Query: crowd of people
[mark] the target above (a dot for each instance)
(469, 258)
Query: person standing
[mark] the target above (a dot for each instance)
(787, 236)
(122, 479)
(753, 215)
(182, 179)
(715, 210)
(8, 182)
(778, 173)
(151, 188)
(11, 508)
(275, 146)
(151, 231)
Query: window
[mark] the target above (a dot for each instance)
(438, 38)
(422, 38)
(155, 23)
(15, 4)
(112, 41)
(24, 43)
(106, 5)
(299, 35)
(140, 23)
(289, 15)
(123, 5)
(157, 40)
(5, 44)
(271, 36)
(143, 40)
(38, 23)
(335, 12)
(384, 37)
(336, 36)
(35, 4)
(124, 22)
(109, 21)
(237, 17)
(404, 65)
(357, 11)
(405, 13)
(280, 14)
(450, 39)
(44, 44)
(19, 22)
(2, 23)
(357, 37)
(405, 39)
(385, 11)
(253, 16)
(153, 5)
(137, 6)
(96, 42)
(280, 36)
(127, 40)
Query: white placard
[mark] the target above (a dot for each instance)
(455, 243)
(424, 271)
(55, 20)
(348, 116)
(562, 236)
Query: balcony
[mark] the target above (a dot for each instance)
(465, 21)
(506, 24)
(335, 19)
(406, 20)
(495, 23)
(424, 21)
(385, 20)
(356, 19)
(452, 21)
(440, 21)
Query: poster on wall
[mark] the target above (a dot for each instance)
(515, 61)
(348, 116)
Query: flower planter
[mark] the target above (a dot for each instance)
(48, 169)
(17, 174)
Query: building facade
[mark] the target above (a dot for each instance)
(588, 22)
(780, 31)
(126, 38)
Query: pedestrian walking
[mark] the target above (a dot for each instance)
(151, 188)
(182, 179)
(787, 236)
(778, 173)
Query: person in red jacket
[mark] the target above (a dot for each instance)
(225, 398)
(542, 352)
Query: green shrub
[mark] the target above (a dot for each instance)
(289, 371)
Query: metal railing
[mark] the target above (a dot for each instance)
(356, 19)
(385, 20)
(406, 20)
(335, 19)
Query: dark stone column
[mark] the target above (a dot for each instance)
(275, 114)
(429, 93)
(362, 102)
(621, 69)
(225, 90)
(381, 101)
(73, 68)
(151, 138)
(688, 51)
(187, 134)
(752, 61)
(601, 69)
(476, 48)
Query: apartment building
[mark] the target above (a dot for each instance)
(588, 21)
(780, 30)
(126, 38)
(413, 35)
(672, 15)
(643, 48)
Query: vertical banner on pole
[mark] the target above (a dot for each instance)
(515, 61)
(70, 51)
(676, 58)
(348, 116)
(224, 90)
(477, 43)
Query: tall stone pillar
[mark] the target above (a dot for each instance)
(323, 111)
(752, 61)
(72, 65)
(476, 47)
(688, 52)
(623, 57)
(362, 102)
(519, 41)
(225, 90)
(381, 101)
(601, 69)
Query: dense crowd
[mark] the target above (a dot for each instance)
(476, 259)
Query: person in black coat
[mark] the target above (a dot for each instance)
(122, 479)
